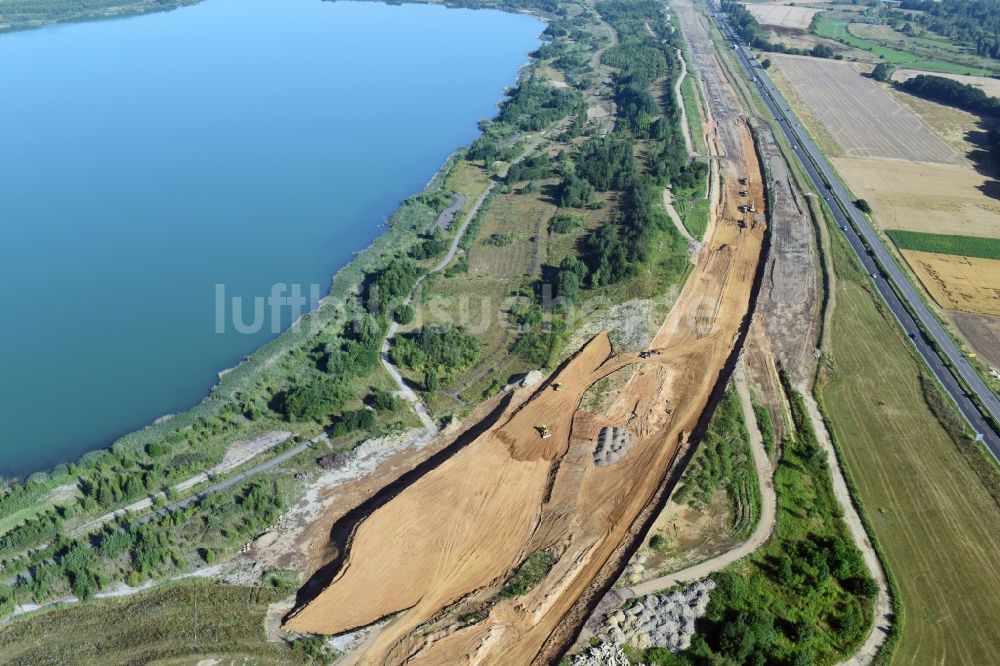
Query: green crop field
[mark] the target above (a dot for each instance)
(962, 246)
(927, 495)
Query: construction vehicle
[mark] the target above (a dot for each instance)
(744, 181)
(543, 431)
(649, 352)
(744, 193)
(556, 386)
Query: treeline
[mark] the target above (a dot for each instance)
(749, 29)
(951, 92)
(972, 22)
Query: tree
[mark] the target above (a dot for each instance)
(750, 634)
(821, 51)
(765, 63)
(863, 206)
(316, 400)
(883, 72)
(405, 313)
(431, 380)
(384, 401)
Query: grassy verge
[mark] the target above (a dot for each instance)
(931, 512)
(962, 246)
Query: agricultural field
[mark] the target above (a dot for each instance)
(782, 15)
(963, 131)
(864, 120)
(928, 496)
(928, 198)
(967, 284)
(961, 246)
(982, 332)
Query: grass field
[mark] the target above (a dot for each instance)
(962, 246)
(933, 515)
(838, 30)
(694, 214)
(176, 624)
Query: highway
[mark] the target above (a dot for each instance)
(886, 274)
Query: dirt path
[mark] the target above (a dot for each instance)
(694, 246)
(883, 605)
(768, 509)
(685, 127)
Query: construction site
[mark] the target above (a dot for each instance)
(422, 562)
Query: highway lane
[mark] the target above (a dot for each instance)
(887, 276)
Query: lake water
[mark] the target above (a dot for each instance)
(239, 142)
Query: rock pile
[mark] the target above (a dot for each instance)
(604, 654)
(612, 445)
(660, 620)
(635, 570)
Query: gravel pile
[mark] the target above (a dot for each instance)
(612, 445)
(665, 621)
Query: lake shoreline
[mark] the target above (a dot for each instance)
(385, 236)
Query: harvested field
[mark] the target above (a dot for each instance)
(930, 198)
(782, 15)
(967, 284)
(458, 531)
(988, 85)
(860, 114)
(982, 333)
(959, 129)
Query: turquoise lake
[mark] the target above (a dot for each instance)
(145, 160)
